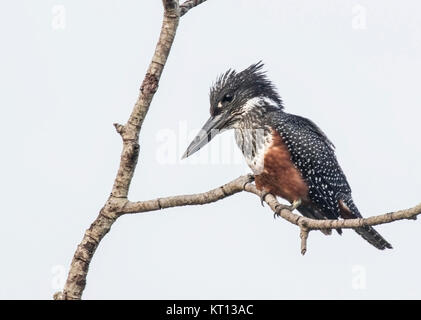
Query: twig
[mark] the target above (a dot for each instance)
(304, 236)
(189, 4)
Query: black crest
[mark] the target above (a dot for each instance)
(239, 87)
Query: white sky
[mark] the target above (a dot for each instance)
(61, 90)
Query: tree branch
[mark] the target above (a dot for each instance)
(189, 4)
(243, 183)
(76, 280)
(312, 224)
(216, 194)
(304, 236)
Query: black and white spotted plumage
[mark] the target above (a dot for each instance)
(314, 155)
(249, 103)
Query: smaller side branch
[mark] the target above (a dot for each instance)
(304, 236)
(189, 4)
(119, 128)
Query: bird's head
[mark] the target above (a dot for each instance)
(233, 97)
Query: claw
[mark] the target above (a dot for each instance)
(278, 209)
(291, 208)
(263, 194)
(250, 178)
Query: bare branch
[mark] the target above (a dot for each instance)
(304, 236)
(76, 279)
(119, 128)
(224, 191)
(189, 4)
(244, 183)
(117, 202)
(313, 224)
(130, 132)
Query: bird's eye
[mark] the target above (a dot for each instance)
(226, 98)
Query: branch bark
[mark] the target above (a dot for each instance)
(190, 4)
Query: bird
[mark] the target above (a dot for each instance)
(289, 155)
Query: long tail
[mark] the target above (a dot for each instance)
(373, 237)
(367, 232)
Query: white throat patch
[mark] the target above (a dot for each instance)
(258, 101)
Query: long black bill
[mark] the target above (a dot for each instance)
(212, 127)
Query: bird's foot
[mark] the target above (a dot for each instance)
(263, 195)
(291, 207)
(248, 179)
(295, 204)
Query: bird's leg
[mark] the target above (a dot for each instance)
(295, 204)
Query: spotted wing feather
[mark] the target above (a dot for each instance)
(313, 154)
